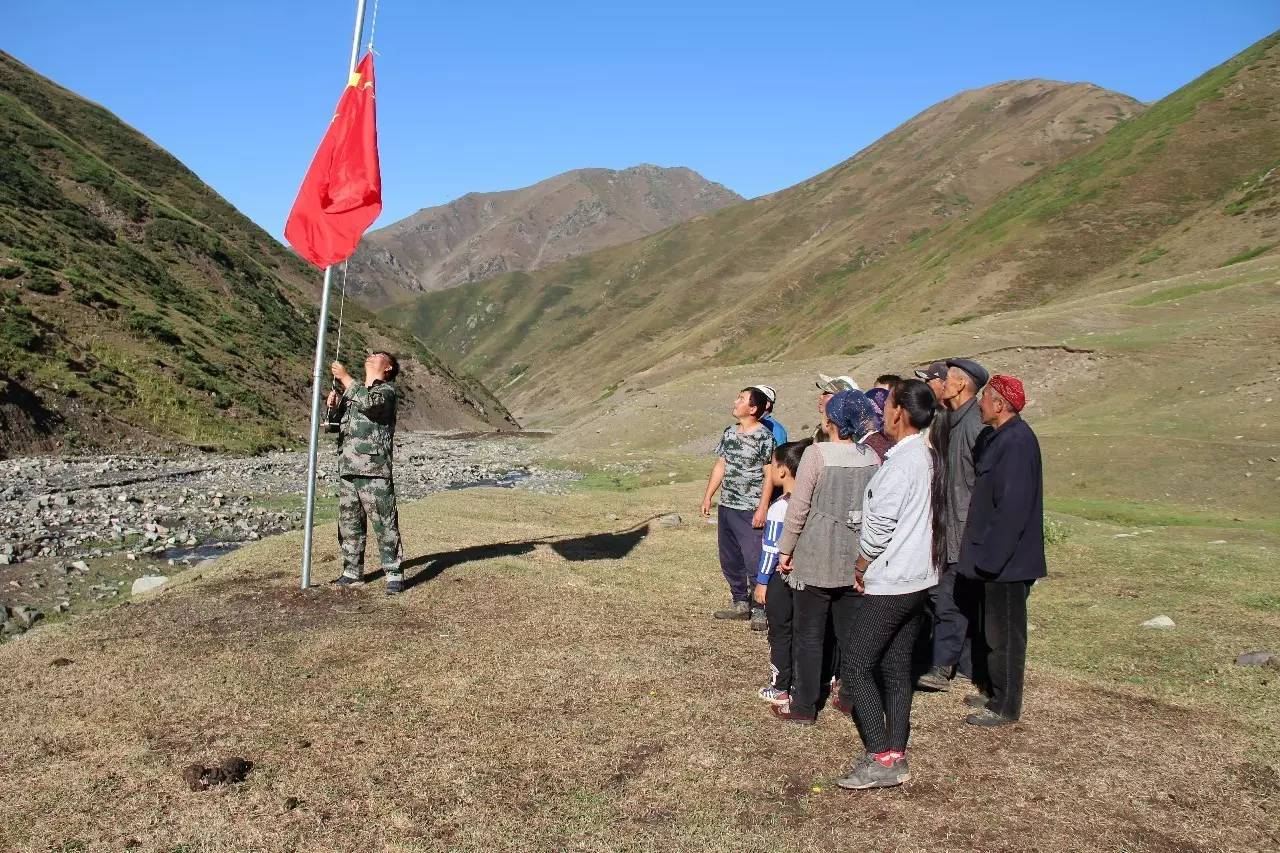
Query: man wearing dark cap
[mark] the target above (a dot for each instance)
(951, 649)
(935, 376)
(1002, 554)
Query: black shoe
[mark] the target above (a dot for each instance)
(977, 700)
(346, 580)
(989, 719)
(395, 587)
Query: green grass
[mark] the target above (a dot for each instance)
(1173, 294)
(1248, 254)
(1135, 514)
(1263, 601)
(1152, 255)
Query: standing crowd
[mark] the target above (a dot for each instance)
(892, 550)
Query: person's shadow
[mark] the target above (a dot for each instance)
(588, 546)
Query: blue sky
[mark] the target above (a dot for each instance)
(486, 96)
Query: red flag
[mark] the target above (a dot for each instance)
(342, 192)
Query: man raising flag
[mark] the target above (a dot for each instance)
(340, 197)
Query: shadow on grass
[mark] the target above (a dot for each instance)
(590, 546)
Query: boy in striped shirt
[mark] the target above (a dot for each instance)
(772, 591)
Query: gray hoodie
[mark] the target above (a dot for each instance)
(897, 522)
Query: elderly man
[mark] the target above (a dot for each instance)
(828, 387)
(951, 651)
(935, 376)
(1003, 551)
(366, 433)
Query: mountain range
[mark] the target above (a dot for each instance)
(1008, 196)
(482, 235)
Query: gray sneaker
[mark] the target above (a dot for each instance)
(988, 718)
(737, 610)
(937, 680)
(977, 700)
(759, 622)
(869, 773)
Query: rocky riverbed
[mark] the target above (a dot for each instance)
(78, 531)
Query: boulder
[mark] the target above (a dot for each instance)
(671, 520)
(1162, 622)
(1258, 658)
(147, 583)
(27, 617)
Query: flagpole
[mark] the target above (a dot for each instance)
(322, 327)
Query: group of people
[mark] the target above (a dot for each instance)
(894, 549)
(914, 510)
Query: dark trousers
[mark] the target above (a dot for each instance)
(739, 550)
(880, 643)
(951, 647)
(997, 615)
(813, 607)
(777, 606)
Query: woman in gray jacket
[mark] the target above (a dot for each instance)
(820, 541)
(902, 549)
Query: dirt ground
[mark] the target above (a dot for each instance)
(552, 681)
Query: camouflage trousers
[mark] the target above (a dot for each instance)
(373, 498)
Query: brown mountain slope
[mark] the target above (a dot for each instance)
(931, 224)
(760, 278)
(482, 235)
(136, 304)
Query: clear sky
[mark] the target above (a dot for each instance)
(496, 95)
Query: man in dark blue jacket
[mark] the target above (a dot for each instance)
(1003, 550)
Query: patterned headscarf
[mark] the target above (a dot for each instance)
(878, 397)
(853, 414)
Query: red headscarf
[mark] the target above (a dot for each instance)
(1009, 387)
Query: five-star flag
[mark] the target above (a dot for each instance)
(341, 194)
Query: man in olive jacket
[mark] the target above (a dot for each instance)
(366, 434)
(1003, 550)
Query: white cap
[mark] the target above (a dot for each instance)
(833, 384)
(768, 391)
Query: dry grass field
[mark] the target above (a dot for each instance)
(552, 681)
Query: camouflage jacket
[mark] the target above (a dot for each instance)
(745, 454)
(367, 430)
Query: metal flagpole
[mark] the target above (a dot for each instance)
(322, 327)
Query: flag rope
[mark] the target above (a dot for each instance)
(342, 304)
(373, 25)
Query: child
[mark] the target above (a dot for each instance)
(744, 451)
(772, 591)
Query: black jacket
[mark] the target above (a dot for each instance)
(1004, 536)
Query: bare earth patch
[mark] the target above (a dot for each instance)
(552, 681)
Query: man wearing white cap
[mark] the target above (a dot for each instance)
(828, 387)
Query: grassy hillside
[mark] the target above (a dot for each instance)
(1157, 404)
(135, 302)
(1013, 195)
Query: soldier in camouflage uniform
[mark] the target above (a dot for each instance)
(367, 428)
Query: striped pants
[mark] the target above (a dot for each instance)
(881, 640)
